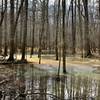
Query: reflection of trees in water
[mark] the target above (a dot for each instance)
(43, 88)
(32, 84)
(21, 82)
(98, 91)
(77, 88)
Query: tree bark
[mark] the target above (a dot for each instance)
(57, 31)
(5, 33)
(63, 36)
(11, 57)
(41, 31)
(1, 29)
(80, 28)
(47, 28)
(86, 35)
(34, 10)
(25, 30)
(99, 26)
(13, 25)
(73, 27)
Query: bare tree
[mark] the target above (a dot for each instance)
(13, 25)
(1, 33)
(25, 30)
(5, 33)
(34, 11)
(80, 27)
(99, 25)
(87, 39)
(48, 26)
(11, 57)
(63, 35)
(42, 29)
(57, 31)
(73, 26)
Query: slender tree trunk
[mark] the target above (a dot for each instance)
(47, 29)
(42, 31)
(5, 33)
(25, 31)
(60, 49)
(54, 21)
(63, 36)
(99, 27)
(16, 34)
(80, 27)
(21, 28)
(1, 39)
(73, 26)
(34, 10)
(57, 31)
(87, 39)
(1, 29)
(11, 57)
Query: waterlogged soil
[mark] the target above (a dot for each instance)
(39, 82)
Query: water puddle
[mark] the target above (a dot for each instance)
(31, 83)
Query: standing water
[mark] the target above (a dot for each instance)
(30, 83)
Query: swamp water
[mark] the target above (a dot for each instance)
(30, 83)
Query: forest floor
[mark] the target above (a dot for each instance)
(77, 63)
(70, 61)
(48, 63)
(50, 60)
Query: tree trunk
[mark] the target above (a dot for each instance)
(1, 29)
(73, 27)
(16, 34)
(41, 31)
(25, 30)
(57, 31)
(34, 10)
(86, 35)
(63, 35)
(80, 28)
(21, 27)
(11, 57)
(47, 28)
(5, 35)
(99, 26)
